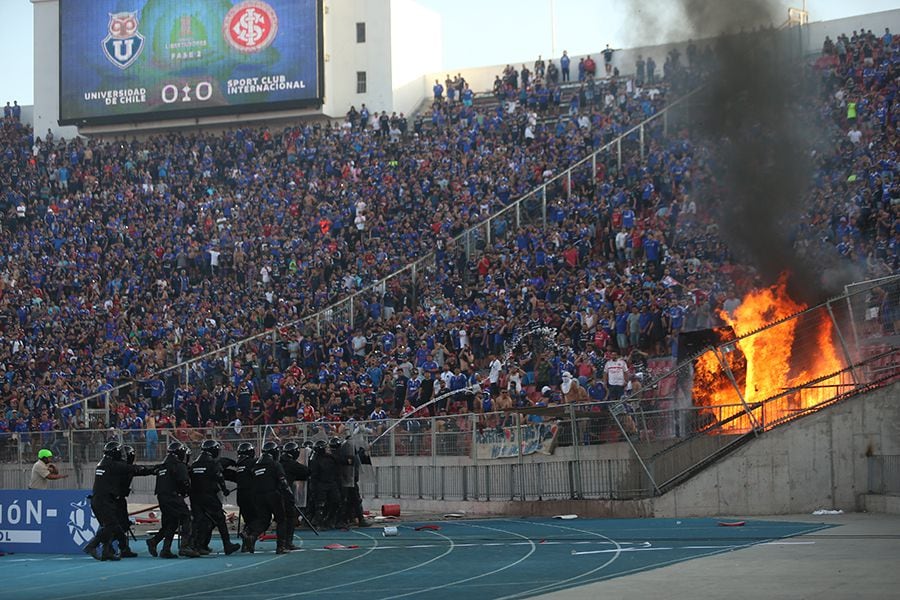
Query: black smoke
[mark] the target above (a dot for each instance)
(756, 115)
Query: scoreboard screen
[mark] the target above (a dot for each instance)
(125, 61)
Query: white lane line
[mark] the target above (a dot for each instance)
(263, 582)
(719, 550)
(163, 566)
(458, 581)
(383, 575)
(30, 575)
(128, 590)
(90, 575)
(611, 550)
(482, 544)
(616, 553)
(786, 543)
(23, 560)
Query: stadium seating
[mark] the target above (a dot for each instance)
(123, 257)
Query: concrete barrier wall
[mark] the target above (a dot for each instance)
(816, 462)
(819, 461)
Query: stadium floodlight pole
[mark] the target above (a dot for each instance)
(552, 29)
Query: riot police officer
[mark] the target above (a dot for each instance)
(325, 472)
(293, 472)
(312, 451)
(350, 496)
(173, 483)
(122, 501)
(112, 476)
(270, 489)
(207, 480)
(242, 474)
(228, 465)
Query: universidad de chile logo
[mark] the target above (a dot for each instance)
(124, 43)
(83, 525)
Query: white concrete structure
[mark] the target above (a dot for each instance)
(402, 43)
(401, 58)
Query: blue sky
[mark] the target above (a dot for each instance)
(476, 32)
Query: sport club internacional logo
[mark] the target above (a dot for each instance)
(250, 26)
(123, 44)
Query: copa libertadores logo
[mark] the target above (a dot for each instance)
(83, 525)
(250, 26)
(123, 44)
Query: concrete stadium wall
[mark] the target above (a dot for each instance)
(816, 462)
(819, 461)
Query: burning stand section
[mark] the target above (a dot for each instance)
(777, 349)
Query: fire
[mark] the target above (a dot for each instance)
(775, 361)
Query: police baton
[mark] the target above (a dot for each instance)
(305, 520)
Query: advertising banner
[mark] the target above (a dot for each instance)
(45, 521)
(134, 60)
(503, 442)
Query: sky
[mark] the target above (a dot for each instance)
(475, 32)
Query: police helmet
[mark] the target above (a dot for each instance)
(270, 448)
(177, 449)
(128, 451)
(334, 443)
(113, 450)
(291, 449)
(308, 444)
(320, 446)
(211, 447)
(246, 450)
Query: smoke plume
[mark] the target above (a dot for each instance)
(751, 115)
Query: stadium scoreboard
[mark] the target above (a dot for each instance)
(140, 60)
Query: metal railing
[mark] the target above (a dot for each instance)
(530, 209)
(822, 355)
(443, 458)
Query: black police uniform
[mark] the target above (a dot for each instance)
(325, 472)
(173, 483)
(241, 473)
(350, 496)
(270, 487)
(112, 476)
(206, 509)
(227, 465)
(312, 495)
(293, 472)
(125, 550)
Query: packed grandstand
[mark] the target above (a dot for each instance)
(124, 257)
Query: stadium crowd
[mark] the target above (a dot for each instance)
(124, 257)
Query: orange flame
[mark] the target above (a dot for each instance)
(776, 361)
